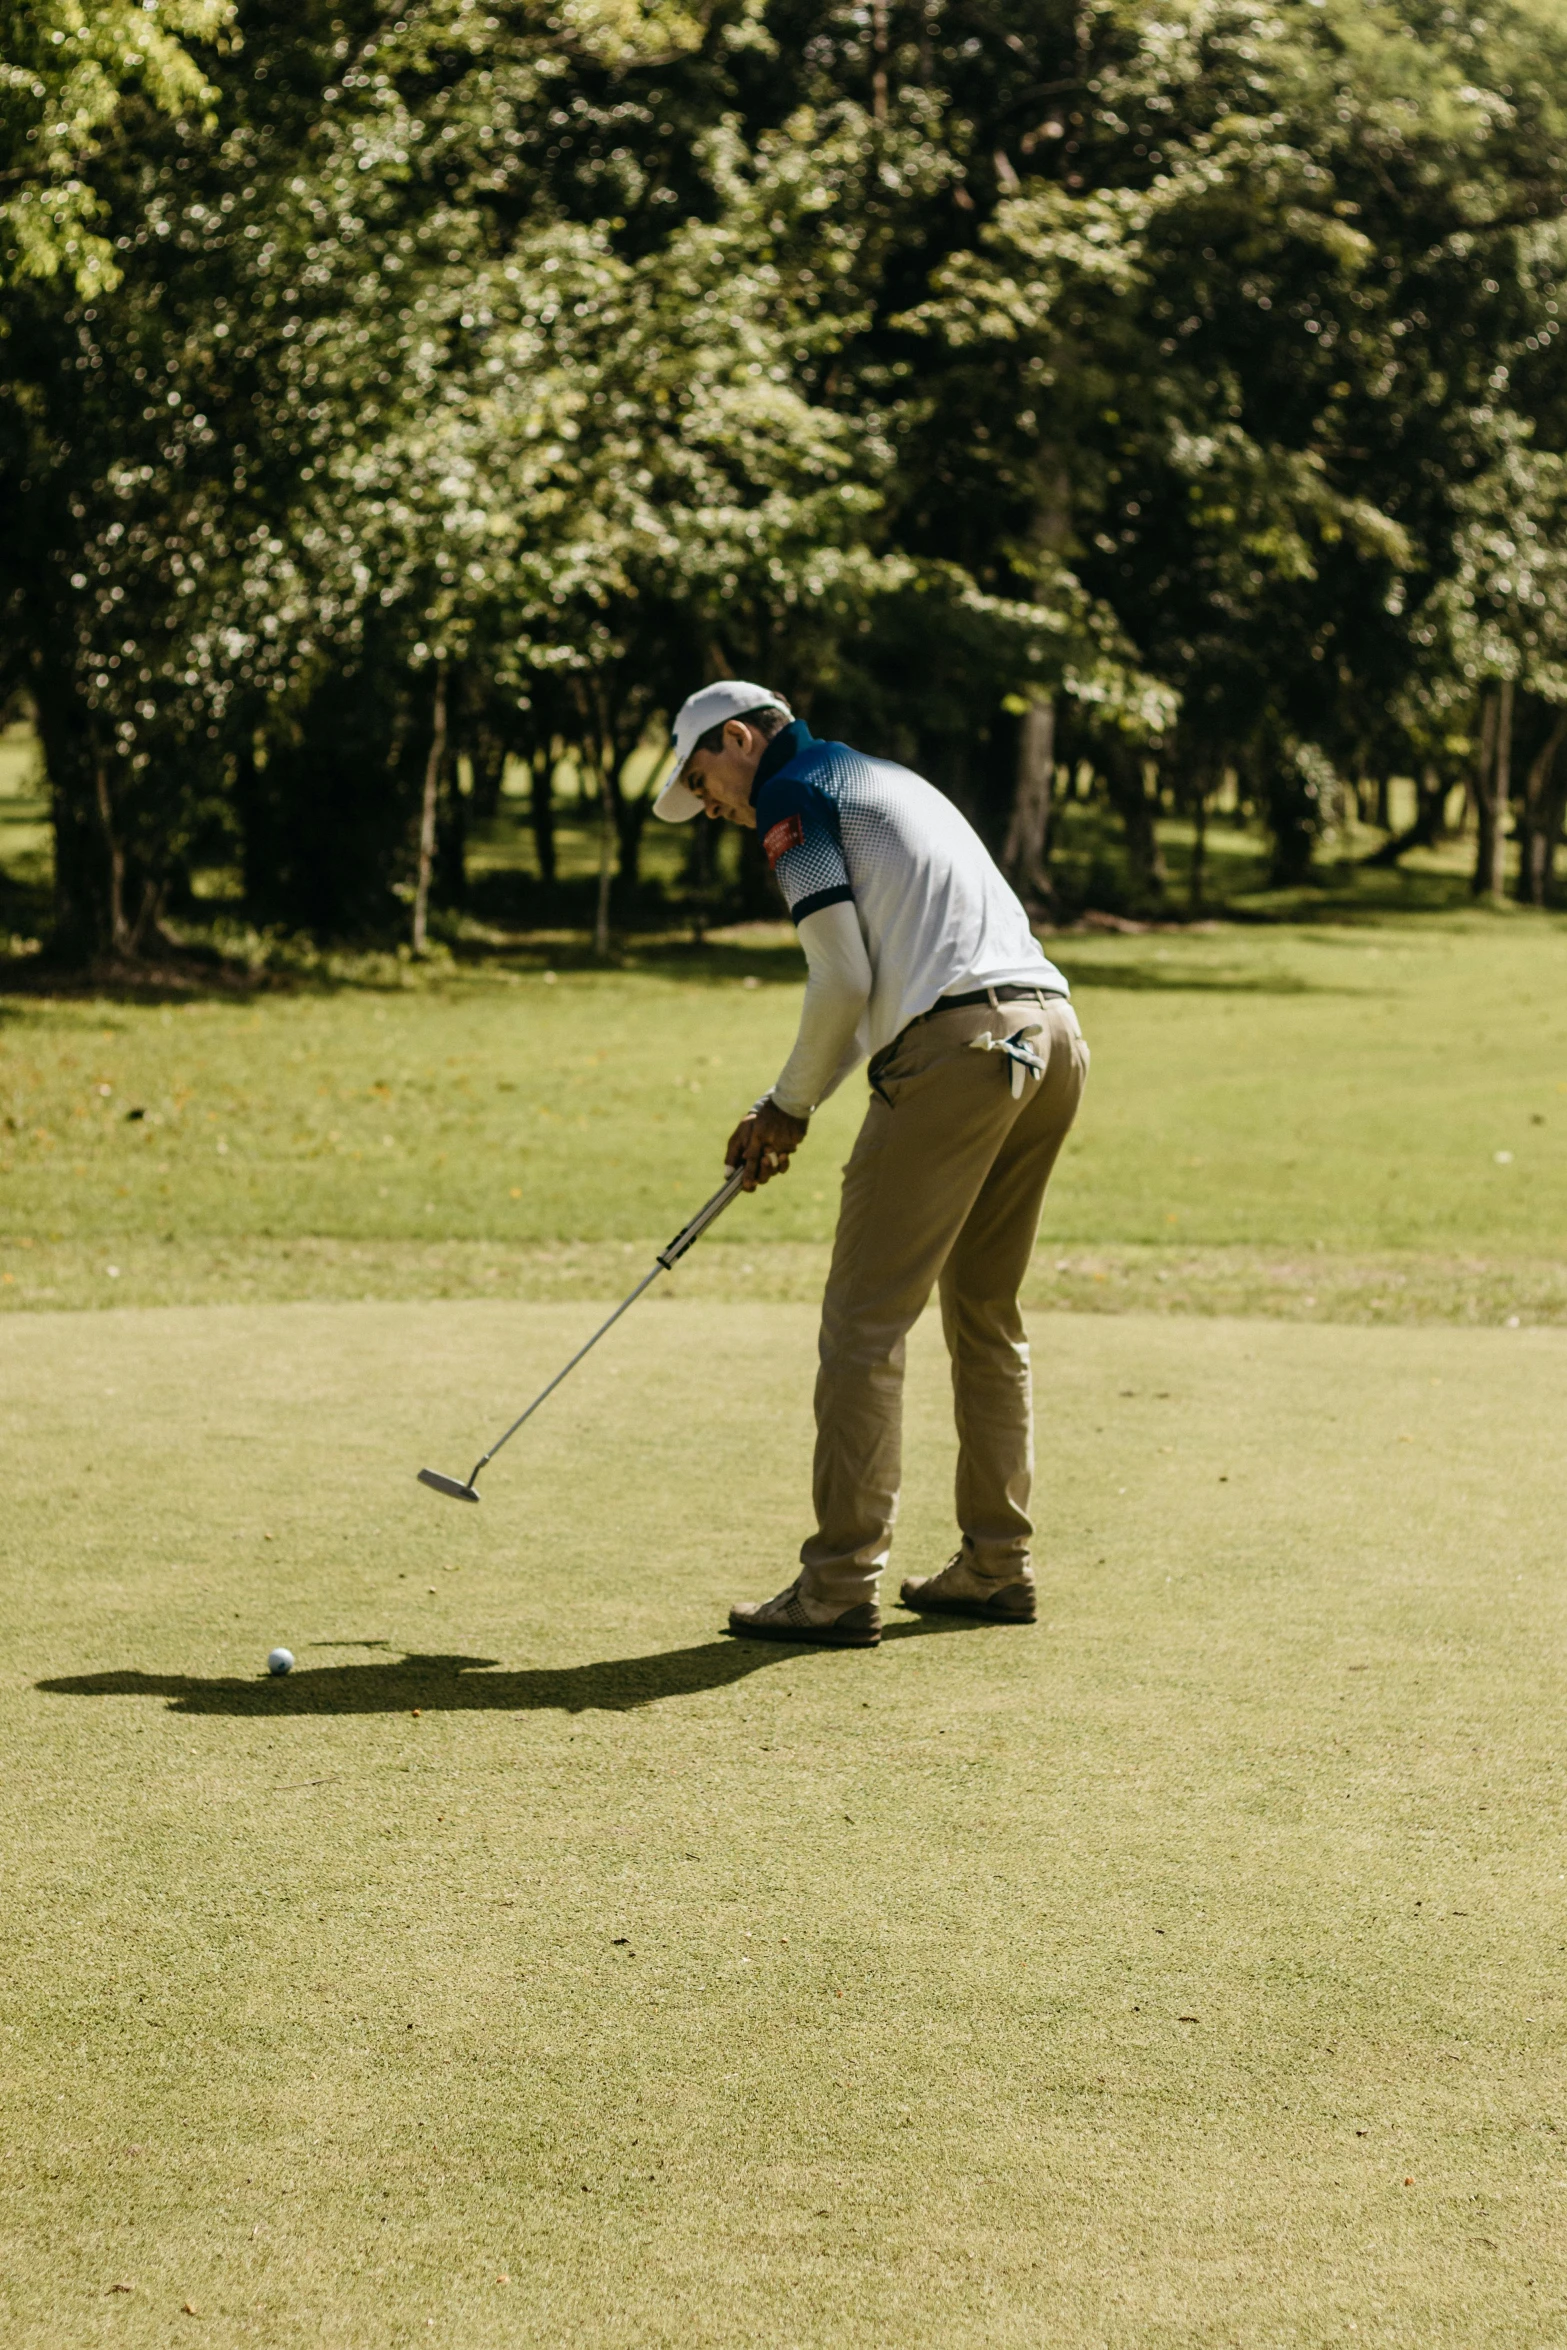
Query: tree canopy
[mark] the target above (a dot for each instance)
(1174, 393)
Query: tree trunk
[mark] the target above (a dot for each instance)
(1128, 788)
(1294, 812)
(697, 875)
(1431, 790)
(149, 916)
(541, 809)
(81, 898)
(630, 818)
(699, 861)
(432, 784)
(1197, 879)
(1024, 859)
(607, 846)
(451, 822)
(451, 839)
(249, 762)
(1501, 788)
(81, 925)
(119, 931)
(1480, 790)
(1539, 818)
(1025, 855)
(1550, 837)
(487, 757)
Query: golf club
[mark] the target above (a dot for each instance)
(688, 1233)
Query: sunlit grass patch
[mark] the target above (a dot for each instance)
(538, 1962)
(1381, 1094)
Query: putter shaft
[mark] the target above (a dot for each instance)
(570, 1367)
(667, 1257)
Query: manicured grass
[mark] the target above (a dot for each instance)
(1306, 1284)
(1185, 1970)
(1391, 1096)
(1182, 1971)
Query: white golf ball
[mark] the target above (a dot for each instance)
(281, 1661)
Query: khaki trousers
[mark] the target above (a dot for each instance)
(945, 1183)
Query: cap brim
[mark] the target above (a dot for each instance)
(676, 803)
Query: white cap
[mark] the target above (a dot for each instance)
(731, 697)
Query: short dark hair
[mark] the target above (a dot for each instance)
(767, 718)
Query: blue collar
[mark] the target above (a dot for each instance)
(795, 738)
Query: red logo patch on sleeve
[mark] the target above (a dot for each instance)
(788, 834)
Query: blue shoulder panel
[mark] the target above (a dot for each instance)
(798, 823)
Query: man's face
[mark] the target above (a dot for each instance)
(722, 780)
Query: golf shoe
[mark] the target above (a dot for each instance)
(791, 1616)
(960, 1590)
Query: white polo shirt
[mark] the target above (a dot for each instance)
(897, 899)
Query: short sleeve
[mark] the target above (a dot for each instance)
(800, 839)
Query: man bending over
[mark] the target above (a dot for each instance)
(921, 959)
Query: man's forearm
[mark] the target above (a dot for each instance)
(837, 989)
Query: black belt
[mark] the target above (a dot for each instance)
(989, 995)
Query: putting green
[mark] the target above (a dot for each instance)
(536, 1966)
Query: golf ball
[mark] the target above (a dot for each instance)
(281, 1661)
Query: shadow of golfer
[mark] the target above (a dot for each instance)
(463, 1684)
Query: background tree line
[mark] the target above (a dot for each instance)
(1168, 396)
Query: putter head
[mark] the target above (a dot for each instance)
(451, 1485)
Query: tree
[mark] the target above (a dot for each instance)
(75, 79)
(1176, 392)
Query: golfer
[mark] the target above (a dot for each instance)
(920, 958)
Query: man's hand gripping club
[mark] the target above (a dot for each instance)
(764, 1140)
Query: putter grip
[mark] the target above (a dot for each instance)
(705, 1215)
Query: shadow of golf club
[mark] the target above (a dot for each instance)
(467, 1684)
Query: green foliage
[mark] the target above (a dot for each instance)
(70, 78)
(1196, 371)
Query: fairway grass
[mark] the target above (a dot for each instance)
(537, 1966)
(1300, 1284)
(1396, 1096)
